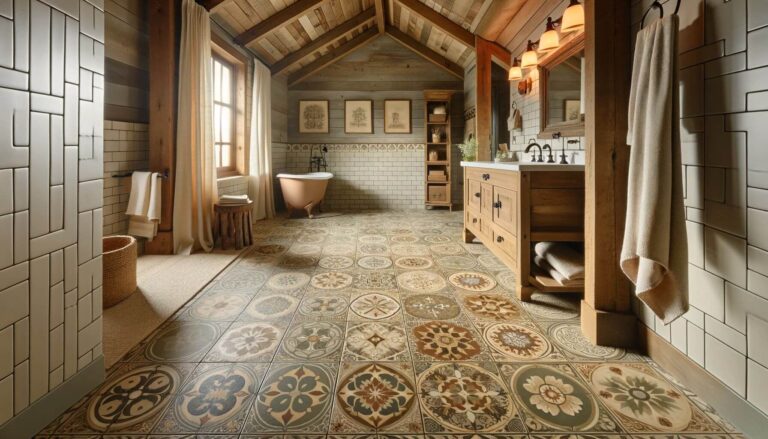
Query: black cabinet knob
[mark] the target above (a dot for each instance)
(477, 194)
(499, 239)
(497, 205)
(474, 220)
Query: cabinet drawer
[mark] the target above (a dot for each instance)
(506, 242)
(475, 173)
(472, 221)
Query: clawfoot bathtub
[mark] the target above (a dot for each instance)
(304, 191)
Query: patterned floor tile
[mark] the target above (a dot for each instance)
(214, 400)
(294, 398)
(376, 325)
(376, 397)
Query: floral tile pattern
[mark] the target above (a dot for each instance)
(380, 325)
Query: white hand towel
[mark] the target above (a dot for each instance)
(655, 251)
(554, 274)
(144, 205)
(563, 258)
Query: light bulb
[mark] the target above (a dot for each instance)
(573, 18)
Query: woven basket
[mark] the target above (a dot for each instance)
(119, 258)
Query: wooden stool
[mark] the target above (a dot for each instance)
(234, 224)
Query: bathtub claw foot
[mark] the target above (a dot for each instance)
(308, 208)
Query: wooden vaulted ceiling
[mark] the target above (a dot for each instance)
(299, 37)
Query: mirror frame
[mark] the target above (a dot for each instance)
(565, 51)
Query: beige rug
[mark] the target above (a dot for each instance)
(165, 283)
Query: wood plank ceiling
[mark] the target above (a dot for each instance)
(299, 37)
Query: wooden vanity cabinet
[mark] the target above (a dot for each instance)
(510, 210)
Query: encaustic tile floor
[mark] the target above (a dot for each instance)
(380, 325)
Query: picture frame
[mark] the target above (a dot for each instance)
(314, 116)
(358, 116)
(397, 116)
(571, 110)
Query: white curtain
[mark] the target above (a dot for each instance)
(195, 190)
(260, 151)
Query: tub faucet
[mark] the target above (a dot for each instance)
(531, 144)
(317, 161)
(550, 157)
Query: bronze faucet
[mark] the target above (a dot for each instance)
(551, 158)
(532, 143)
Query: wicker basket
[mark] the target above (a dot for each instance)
(119, 258)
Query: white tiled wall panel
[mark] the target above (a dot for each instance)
(51, 161)
(723, 128)
(126, 149)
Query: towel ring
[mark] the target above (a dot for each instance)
(658, 6)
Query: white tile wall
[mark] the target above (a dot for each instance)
(723, 58)
(51, 168)
(126, 149)
(366, 176)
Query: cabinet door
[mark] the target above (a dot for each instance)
(474, 194)
(505, 209)
(486, 200)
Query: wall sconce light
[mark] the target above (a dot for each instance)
(573, 18)
(515, 72)
(530, 57)
(550, 39)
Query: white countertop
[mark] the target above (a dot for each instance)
(523, 166)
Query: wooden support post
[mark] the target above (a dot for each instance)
(606, 311)
(163, 58)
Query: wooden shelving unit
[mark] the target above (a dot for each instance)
(437, 192)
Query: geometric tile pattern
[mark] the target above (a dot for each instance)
(296, 359)
(723, 78)
(51, 168)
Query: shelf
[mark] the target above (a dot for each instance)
(437, 182)
(557, 236)
(546, 284)
(437, 162)
(437, 143)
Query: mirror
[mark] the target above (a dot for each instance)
(561, 90)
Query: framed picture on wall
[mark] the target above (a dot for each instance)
(572, 109)
(358, 116)
(397, 116)
(313, 116)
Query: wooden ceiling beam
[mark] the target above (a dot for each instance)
(496, 17)
(381, 15)
(210, 4)
(425, 52)
(437, 19)
(281, 18)
(324, 40)
(333, 55)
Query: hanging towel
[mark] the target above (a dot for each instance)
(655, 251)
(144, 205)
(563, 258)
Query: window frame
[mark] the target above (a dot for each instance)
(228, 54)
(231, 169)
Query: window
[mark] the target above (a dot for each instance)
(224, 111)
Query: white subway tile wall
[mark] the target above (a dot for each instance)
(51, 169)
(126, 149)
(724, 125)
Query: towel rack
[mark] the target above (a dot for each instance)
(163, 175)
(657, 5)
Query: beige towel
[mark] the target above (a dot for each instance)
(563, 258)
(554, 274)
(144, 205)
(655, 252)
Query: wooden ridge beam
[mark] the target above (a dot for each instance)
(381, 15)
(437, 19)
(324, 40)
(281, 18)
(425, 52)
(210, 4)
(333, 56)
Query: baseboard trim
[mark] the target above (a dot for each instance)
(748, 419)
(45, 410)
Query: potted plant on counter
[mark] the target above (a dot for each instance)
(469, 149)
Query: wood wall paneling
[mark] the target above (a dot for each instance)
(487, 52)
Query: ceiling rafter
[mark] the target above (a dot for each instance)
(324, 40)
(439, 20)
(210, 4)
(381, 15)
(281, 18)
(425, 52)
(333, 56)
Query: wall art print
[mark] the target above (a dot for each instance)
(313, 116)
(397, 116)
(358, 116)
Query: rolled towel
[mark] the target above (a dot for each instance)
(563, 258)
(554, 274)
